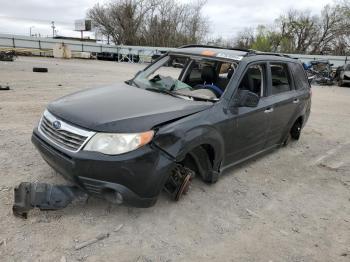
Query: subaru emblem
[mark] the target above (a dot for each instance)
(56, 124)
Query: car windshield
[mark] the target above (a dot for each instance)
(194, 78)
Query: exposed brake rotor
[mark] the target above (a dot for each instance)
(179, 182)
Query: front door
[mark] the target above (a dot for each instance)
(247, 127)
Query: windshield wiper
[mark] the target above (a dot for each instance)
(200, 98)
(179, 95)
(162, 91)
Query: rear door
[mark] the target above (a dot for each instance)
(282, 96)
(302, 91)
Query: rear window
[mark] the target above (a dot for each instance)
(280, 78)
(300, 80)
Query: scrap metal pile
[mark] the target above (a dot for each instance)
(8, 55)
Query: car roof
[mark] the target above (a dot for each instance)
(236, 54)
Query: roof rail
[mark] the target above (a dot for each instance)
(216, 47)
(271, 53)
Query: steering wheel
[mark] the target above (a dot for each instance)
(218, 92)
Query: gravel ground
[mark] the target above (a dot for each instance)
(290, 205)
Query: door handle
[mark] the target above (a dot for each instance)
(269, 110)
(296, 101)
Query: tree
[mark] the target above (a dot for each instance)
(150, 22)
(245, 39)
(298, 27)
(298, 31)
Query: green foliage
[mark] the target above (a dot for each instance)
(298, 31)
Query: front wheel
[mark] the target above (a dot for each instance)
(179, 182)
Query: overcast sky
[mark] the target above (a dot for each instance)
(226, 16)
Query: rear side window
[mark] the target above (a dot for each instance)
(299, 75)
(280, 78)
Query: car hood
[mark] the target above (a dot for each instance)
(122, 108)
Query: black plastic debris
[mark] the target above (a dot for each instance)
(40, 69)
(43, 196)
(3, 88)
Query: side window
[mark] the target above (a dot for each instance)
(299, 76)
(280, 78)
(254, 79)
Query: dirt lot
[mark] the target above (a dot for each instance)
(291, 205)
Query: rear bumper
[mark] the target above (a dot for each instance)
(138, 176)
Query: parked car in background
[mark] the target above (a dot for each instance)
(344, 76)
(129, 141)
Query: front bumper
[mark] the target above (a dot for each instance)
(137, 176)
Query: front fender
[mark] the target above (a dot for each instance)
(179, 138)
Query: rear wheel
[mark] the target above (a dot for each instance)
(287, 140)
(295, 132)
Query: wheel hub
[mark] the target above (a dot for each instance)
(179, 182)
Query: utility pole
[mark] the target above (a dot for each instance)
(53, 28)
(30, 30)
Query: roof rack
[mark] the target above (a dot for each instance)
(255, 52)
(216, 47)
(248, 51)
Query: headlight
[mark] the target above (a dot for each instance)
(115, 144)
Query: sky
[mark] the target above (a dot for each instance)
(227, 17)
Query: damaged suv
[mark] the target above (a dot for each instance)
(195, 111)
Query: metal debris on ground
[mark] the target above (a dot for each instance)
(251, 213)
(91, 241)
(8, 55)
(118, 228)
(4, 188)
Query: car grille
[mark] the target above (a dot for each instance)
(65, 136)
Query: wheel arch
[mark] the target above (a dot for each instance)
(203, 142)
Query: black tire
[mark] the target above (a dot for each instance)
(295, 132)
(40, 69)
(287, 140)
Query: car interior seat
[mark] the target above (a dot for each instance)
(250, 83)
(209, 78)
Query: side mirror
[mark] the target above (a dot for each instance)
(246, 98)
